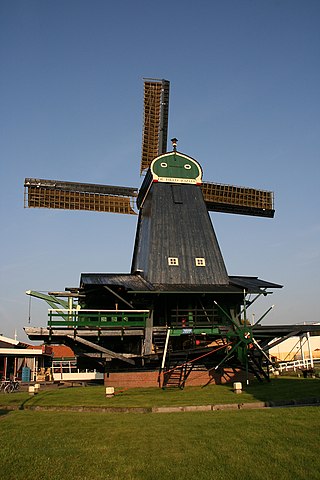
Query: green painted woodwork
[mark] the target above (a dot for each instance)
(50, 299)
(98, 319)
(176, 332)
(176, 167)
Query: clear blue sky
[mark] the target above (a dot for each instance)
(245, 78)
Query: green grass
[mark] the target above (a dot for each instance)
(263, 444)
(280, 389)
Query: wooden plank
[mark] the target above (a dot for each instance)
(101, 349)
(43, 333)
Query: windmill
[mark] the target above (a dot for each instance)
(178, 273)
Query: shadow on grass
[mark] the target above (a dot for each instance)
(4, 412)
(33, 400)
(285, 388)
(280, 391)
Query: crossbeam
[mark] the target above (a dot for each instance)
(101, 349)
(80, 187)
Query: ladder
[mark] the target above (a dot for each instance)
(175, 375)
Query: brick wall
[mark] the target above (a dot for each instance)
(131, 379)
(150, 378)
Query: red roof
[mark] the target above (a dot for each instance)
(57, 351)
(46, 349)
(62, 351)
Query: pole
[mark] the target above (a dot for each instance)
(5, 362)
(15, 369)
(165, 349)
(302, 352)
(262, 317)
(244, 308)
(310, 350)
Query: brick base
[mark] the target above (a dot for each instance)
(151, 378)
(132, 379)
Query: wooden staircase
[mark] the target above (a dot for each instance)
(255, 367)
(176, 374)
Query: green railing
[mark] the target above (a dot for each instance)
(62, 318)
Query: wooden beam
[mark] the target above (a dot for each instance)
(118, 296)
(97, 356)
(148, 334)
(101, 349)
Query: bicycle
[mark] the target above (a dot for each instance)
(3, 385)
(12, 385)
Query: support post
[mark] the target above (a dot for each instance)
(5, 366)
(165, 350)
(70, 309)
(302, 352)
(148, 334)
(310, 350)
(15, 368)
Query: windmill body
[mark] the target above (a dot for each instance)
(178, 287)
(175, 240)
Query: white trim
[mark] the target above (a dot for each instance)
(83, 310)
(24, 352)
(177, 180)
(77, 376)
(9, 340)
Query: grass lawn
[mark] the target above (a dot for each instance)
(266, 444)
(280, 389)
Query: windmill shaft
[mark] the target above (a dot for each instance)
(164, 116)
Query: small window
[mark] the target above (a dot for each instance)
(173, 261)
(163, 164)
(200, 262)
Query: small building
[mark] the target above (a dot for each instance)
(302, 347)
(21, 361)
(65, 367)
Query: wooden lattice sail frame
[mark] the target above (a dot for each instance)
(218, 197)
(155, 120)
(55, 194)
(239, 200)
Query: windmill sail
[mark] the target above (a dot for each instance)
(238, 200)
(155, 120)
(55, 194)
